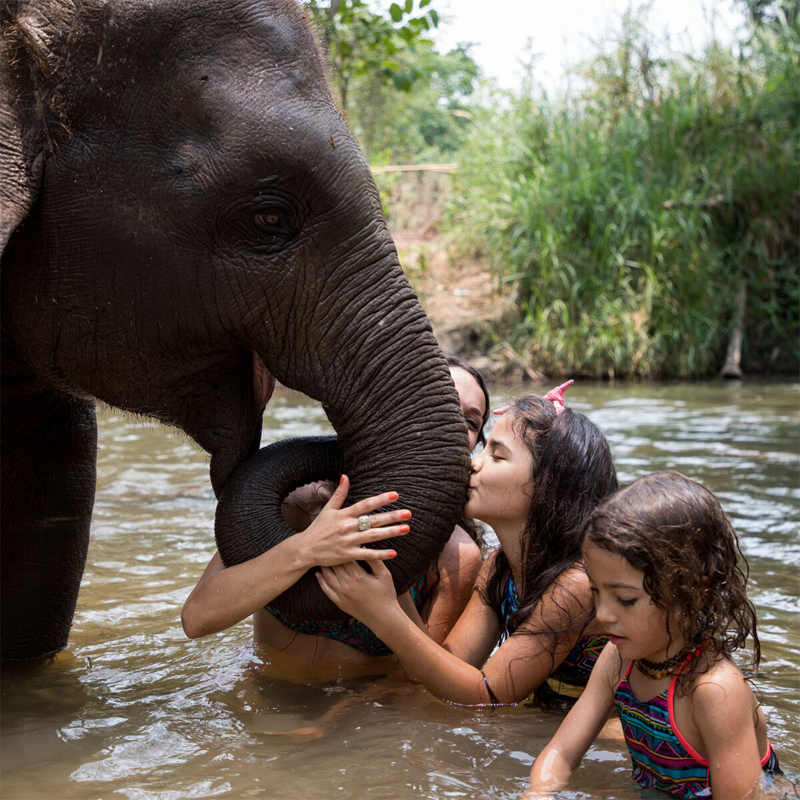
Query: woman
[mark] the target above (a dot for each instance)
(328, 536)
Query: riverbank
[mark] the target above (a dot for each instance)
(477, 313)
(470, 310)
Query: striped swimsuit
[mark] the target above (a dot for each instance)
(349, 631)
(662, 758)
(572, 674)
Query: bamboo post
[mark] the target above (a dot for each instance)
(415, 168)
(732, 369)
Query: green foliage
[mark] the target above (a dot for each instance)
(626, 217)
(429, 123)
(405, 101)
(362, 42)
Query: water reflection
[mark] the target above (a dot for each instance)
(135, 710)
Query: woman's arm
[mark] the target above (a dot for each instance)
(226, 595)
(450, 672)
(455, 573)
(562, 755)
(450, 582)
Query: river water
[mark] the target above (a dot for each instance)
(133, 709)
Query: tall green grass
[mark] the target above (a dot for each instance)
(626, 217)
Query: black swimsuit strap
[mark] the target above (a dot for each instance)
(492, 696)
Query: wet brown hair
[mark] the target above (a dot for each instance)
(571, 473)
(674, 531)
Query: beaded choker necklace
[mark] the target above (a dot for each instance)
(660, 669)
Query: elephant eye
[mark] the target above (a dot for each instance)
(273, 222)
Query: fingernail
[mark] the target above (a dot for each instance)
(405, 514)
(404, 529)
(392, 554)
(393, 496)
(341, 480)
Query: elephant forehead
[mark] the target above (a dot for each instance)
(117, 65)
(267, 43)
(278, 28)
(259, 62)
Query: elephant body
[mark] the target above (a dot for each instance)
(185, 220)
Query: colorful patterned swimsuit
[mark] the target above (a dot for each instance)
(349, 631)
(571, 676)
(662, 758)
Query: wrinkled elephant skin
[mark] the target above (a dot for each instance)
(185, 219)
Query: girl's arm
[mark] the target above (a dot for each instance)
(722, 711)
(226, 595)
(462, 640)
(450, 672)
(562, 755)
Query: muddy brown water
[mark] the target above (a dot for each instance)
(133, 709)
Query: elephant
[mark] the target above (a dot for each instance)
(186, 219)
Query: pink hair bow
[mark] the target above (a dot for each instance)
(555, 396)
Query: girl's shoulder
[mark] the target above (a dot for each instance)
(573, 579)
(717, 688)
(566, 605)
(720, 705)
(716, 676)
(572, 591)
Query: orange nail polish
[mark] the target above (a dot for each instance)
(393, 496)
(405, 514)
(404, 529)
(392, 554)
(341, 480)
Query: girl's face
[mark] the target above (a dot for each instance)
(500, 485)
(473, 402)
(633, 622)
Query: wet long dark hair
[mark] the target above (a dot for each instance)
(474, 529)
(674, 531)
(571, 473)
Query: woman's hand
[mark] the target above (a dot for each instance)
(362, 595)
(334, 538)
(225, 595)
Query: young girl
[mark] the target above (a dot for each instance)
(543, 470)
(663, 561)
(329, 535)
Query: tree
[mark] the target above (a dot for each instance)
(428, 123)
(361, 41)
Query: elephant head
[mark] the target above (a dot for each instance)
(186, 218)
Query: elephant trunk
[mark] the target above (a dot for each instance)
(389, 396)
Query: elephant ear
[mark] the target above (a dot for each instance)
(23, 141)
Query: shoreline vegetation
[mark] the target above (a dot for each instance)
(644, 224)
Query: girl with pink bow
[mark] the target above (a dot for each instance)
(543, 470)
